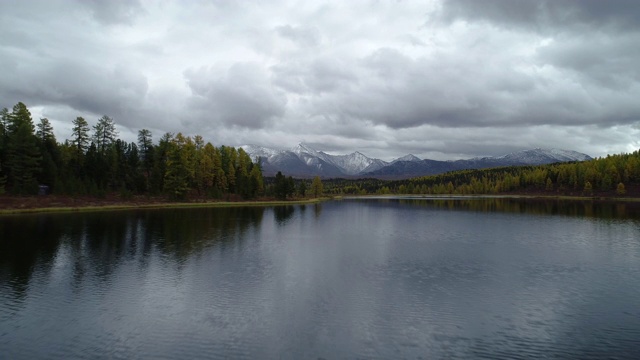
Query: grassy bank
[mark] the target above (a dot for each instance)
(155, 205)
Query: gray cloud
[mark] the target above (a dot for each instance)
(242, 96)
(549, 15)
(304, 36)
(445, 79)
(606, 61)
(92, 89)
(113, 11)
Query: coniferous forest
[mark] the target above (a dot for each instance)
(95, 162)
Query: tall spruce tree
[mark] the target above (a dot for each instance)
(4, 120)
(80, 134)
(50, 153)
(23, 155)
(105, 133)
(145, 149)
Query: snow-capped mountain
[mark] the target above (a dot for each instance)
(315, 162)
(259, 151)
(355, 163)
(400, 169)
(305, 161)
(408, 157)
(543, 156)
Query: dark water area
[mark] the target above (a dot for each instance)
(358, 278)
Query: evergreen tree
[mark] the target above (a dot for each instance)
(176, 178)
(44, 130)
(23, 155)
(50, 153)
(4, 120)
(80, 135)
(280, 186)
(159, 169)
(290, 186)
(302, 188)
(145, 148)
(104, 134)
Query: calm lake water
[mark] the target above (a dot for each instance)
(375, 278)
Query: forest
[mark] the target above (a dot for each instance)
(614, 175)
(95, 162)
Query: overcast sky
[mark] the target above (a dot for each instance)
(439, 79)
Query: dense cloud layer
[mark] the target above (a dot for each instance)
(441, 79)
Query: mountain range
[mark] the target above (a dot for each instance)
(304, 161)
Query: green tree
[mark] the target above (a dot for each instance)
(23, 155)
(80, 135)
(302, 188)
(290, 187)
(44, 130)
(257, 182)
(50, 153)
(159, 169)
(4, 121)
(280, 186)
(178, 171)
(104, 133)
(205, 170)
(145, 149)
(316, 187)
(549, 185)
(588, 188)
(620, 190)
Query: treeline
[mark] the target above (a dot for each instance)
(613, 174)
(94, 161)
(282, 187)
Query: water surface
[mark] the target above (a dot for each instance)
(390, 278)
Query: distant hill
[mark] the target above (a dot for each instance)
(304, 161)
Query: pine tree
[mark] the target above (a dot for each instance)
(145, 148)
(23, 155)
(280, 186)
(176, 178)
(44, 130)
(160, 154)
(105, 133)
(50, 153)
(80, 135)
(4, 119)
(302, 188)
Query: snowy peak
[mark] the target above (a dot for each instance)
(355, 163)
(313, 161)
(543, 156)
(259, 151)
(408, 157)
(305, 161)
(310, 155)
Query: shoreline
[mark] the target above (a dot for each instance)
(496, 196)
(154, 205)
(96, 205)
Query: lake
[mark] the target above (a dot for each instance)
(357, 278)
